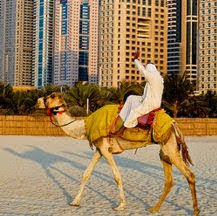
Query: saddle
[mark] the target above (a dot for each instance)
(143, 130)
(97, 125)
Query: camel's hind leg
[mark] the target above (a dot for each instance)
(86, 176)
(184, 169)
(107, 154)
(170, 149)
(167, 187)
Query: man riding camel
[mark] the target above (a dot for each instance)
(136, 106)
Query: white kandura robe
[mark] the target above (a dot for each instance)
(135, 105)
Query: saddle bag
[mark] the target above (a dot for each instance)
(143, 120)
(147, 119)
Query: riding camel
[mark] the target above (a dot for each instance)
(173, 152)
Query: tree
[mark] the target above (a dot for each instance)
(176, 97)
(47, 90)
(125, 88)
(77, 96)
(211, 100)
(6, 94)
(23, 102)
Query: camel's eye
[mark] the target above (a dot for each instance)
(52, 96)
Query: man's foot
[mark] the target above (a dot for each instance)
(116, 125)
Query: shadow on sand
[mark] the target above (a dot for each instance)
(47, 161)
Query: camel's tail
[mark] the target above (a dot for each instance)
(182, 144)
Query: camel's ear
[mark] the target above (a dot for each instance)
(40, 103)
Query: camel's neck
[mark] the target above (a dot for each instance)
(75, 129)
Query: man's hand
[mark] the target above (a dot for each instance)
(136, 55)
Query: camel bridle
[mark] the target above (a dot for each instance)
(54, 111)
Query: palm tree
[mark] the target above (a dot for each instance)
(77, 97)
(176, 93)
(23, 102)
(124, 89)
(48, 89)
(193, 107)
(211, 99)
(6, 94)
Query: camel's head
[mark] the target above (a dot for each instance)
(53, 101)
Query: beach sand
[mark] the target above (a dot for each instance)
(41, 175)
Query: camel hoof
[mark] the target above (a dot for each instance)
(154, 209)
(75, 204)
(121, 207)
(196, 212)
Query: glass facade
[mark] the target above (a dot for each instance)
(64, 17)
(40, 46)
(44, 45)
(174, 36)
(188, 45)
(189, 7)
(178, 20)
(194, 43)
(191, 34)
(194, 7)
(64, 32)
(84, 42)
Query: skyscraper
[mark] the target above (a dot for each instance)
(208, 46)
(189, 49)
(125, 27)
(43, 42)
(16, 44)
(183, 38)
(76, 41)
(174, 36)
(84, 41)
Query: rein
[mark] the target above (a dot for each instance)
(63, 124)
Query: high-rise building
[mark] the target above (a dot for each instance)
(208, 46)
(43, 42)
(189, 49)
(16, 44)
(174, 36)
(76, 41)
(125, 27)
(183, 38)
(84, 41)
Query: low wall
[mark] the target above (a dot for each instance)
(41, 126)
(28, 125)
(198, 126)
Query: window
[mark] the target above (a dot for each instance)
(162, 3)
(149, 12)
(143, 11)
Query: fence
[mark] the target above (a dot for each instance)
(41, 126)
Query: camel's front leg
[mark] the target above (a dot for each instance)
(167, 187)
(109, 158)
(86, 176)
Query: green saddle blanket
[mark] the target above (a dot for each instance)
(98, 125)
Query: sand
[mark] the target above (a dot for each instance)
(41, 175)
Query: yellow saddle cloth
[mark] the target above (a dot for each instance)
(98, 125)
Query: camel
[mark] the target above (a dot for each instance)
(107, 146)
